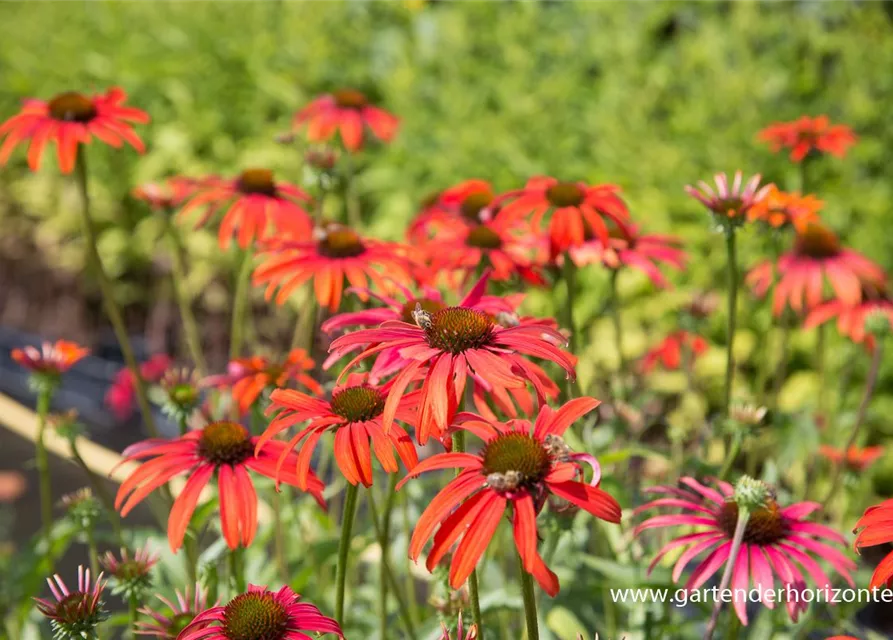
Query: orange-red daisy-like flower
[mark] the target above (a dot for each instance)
(460, 205)
(336, 253)
(629, 248)
(855, 458)
(573, 207)
(853, 320)
(349, 113)
(873, 528)
(248, 377)
(52, 358)
(785, 209)
(817, 255)
(520, 465)
(168, 194)
(449, 345)
(670, 350)
(223, 450)
(261, 614)
(353, 414)
(729, 203)
(807, 135)
(259, 206)
(68, 120)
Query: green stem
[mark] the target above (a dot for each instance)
(733, 310)
(731, 455)
(737, 539)
(569, 274)
(821, 367)
(108, 294)
(91, 550)
(44, 397)
(237, 568)
(781, 367)
(178, 278)
(349, 513)
(352, 203)
(533, 632)
(279, 538)
(240, 306)
(618, 331)
(410, 583)
(134, 604)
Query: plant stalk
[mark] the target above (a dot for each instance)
(733, 310)
(349, 513)
(533, 632)
(178, 277)
(44, 397)
(240, 306)
(737, 539)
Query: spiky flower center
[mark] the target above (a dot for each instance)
(76, 609)
(483, 237)
(350, 99)
(254, 616)
(341, 242)
(358, 404)
(456, 329)
(515, 460)
(178, 623)
(428, 306)
(817, 241)
(131, 570)
(183, 394)
(565, 194)
(765, 526)
(72, 107)
(225, 443)
(474, 203)
(258, 181)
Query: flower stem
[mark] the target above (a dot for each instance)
(352, 203)
(821, 367)
(237, 569)
(240, 306)
(618, 332)
(533, 632)
(473, 591)
(734, 448)
(108, 297)
(91, 550)
(178, 278)
(737, 538)
(133, 617)
(43, 466)
(347, 518)
(733, 310)
(569, 275)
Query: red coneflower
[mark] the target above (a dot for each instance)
(670, 350)
(730, 203)
(335, 254)
(182, 612)
(224, 450)
(817, 255)
(68, 120)
(347, 112)
(855, 458)
(262, 614)
(449, 345)
(168, 194)
(444, 211)
(630, 249)
(354, 416)
(806, 135)
(51, 359)
(777, 541)
(853, 320)
(573, 206)
(246, 378)
(873, 528)
(785, 209)
(520, 465)
(258, 207)
(121, 395)
(76, 613)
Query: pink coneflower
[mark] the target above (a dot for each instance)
(731, 204)
(670, 351)
(349, 113)
(131, 574)
(778, 541)
(168, 194)
(167, 626)
(121, 396)
(52, 358)
(806, 135)
(262, 614)
(76, 613)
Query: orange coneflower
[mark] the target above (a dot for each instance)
(347, 112)
(259, 206)
(68, 120)
(246, 378)
(853, 320)
(444, 211)
(167, 194)
(51, 359)
(449, 345)
(807, 135)
(353, 414)
(873, 528)
(573, 206)
(855, 458)
(785, 209)
(817, 255)
(520, 465)
(336, 253)
(224, 450)
(670, 350)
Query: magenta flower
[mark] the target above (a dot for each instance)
(76, 613)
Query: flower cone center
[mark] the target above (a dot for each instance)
(430, 306)
(178, 623)
(341, 243)
(350, 99)
(257, 181)
(455, 330)
(131, 570)
(565, 194)
(817, 241)
(225, 443)
(483, 237)
(519, 453)
(474, 203)
(254, 616)
(72, 107)
(358, 404)
(765, 526)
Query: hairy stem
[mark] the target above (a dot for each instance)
(349, 513)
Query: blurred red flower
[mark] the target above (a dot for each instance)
(730, 203)
(873, 528)
(444, 211)
(349, 113)
(806, 135)
(52, 358)
(854, 458)
(783, 209)
(121, 396)
(853, 320)
(167, 194)
(669, 352)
